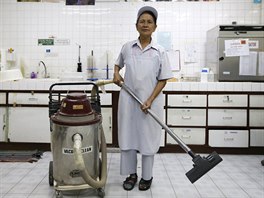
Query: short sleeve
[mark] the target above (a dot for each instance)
(120, 59)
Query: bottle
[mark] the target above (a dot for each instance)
(79, 67)
(211, 76)
(204, 75)
(90, 61)
(33, 75)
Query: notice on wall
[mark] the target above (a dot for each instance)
(53, 41)
(248, 64)
(61, 41)
(253, 44)
(174, 59)
(238, 47)
(191, 52)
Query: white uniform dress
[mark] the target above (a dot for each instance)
(137, 130)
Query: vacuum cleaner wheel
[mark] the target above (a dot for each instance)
(58, 194)
(101, 192)
(51, 179)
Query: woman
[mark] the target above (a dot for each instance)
(147, 70)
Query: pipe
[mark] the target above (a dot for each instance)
(45, 68)
(101, 84)
(81, 165)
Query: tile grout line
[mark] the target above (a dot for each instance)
(193, 185)
(168, 176)
(217, 185)
(17, 182)
(237, 183)
(253, 178)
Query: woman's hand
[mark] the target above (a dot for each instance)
(118, 79)
(146, 105)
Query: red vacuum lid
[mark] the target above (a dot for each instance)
(76, 104)
(76, 110)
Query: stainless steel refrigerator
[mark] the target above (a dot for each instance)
(236, 52)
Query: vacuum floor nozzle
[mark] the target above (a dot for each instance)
(202, 165)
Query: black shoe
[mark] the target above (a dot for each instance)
(145, 184)
(130, 182)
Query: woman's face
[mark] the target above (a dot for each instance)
(146, 25)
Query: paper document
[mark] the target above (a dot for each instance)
(174, 59)
(237, 47)
(248, 64)
(191, 52)
(253, 44)
(261, 64)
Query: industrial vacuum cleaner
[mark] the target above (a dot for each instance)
(77, 139)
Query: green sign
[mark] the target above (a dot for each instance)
(45, 41)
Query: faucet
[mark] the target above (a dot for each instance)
(45, 68)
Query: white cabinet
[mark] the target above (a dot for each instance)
(29, 124)
(227, 117)
(3, 119)
(2, 98)
(256, 101)
(186, 113)
(227, 100)
(107, 124)
(232, 120)
(188, 117)
(256, 117)
(194, 136)
(28, 98)
(187, 100)
(257, 137)
(227, 110)
(256, 120)
(106, 99)
(228, 138)
(224, 116)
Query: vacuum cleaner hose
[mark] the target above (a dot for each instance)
(81, 165)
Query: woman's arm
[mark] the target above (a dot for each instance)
(117, 77)
(147, 104)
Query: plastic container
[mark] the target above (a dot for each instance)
(33, 75)
(211, 76)
(204, 75)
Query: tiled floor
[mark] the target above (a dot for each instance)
(238, 176)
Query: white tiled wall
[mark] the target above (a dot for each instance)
(107, 25)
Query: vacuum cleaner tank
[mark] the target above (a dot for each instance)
(75, 116)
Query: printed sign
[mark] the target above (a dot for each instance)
(238, 47)
(253, 44)
(69, 151)
(77, 107)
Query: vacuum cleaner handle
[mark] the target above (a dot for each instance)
(71, 84)
(164, 126)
